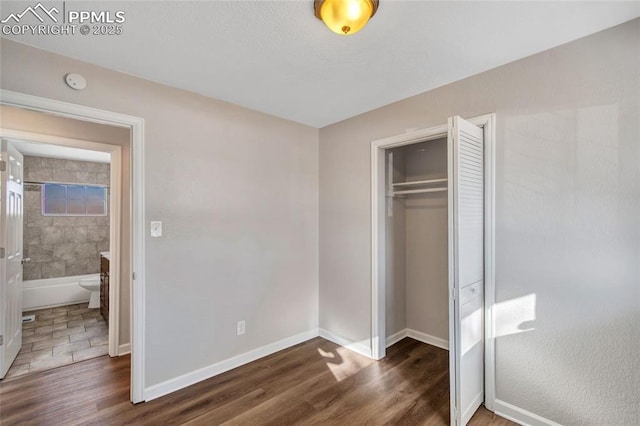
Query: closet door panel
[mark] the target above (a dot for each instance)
(470, 206)
(466, 241)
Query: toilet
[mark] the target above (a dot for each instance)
(93, 285)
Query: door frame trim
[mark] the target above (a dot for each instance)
(115, 220)
(136, 126)
(378, 244)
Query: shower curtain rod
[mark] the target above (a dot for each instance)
(33, 182)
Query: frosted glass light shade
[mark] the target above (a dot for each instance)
(345, 17)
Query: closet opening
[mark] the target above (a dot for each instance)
(432, 239)
(416, 244)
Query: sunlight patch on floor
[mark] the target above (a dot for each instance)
(344, 363)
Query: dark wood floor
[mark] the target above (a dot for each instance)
(316, 382)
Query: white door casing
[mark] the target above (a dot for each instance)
(136, 125)
(466, 268)
(11, 218)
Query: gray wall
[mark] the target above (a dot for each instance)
(62, 246)
(237, 192)
(427, 241)
(567, 229)
(51, 125)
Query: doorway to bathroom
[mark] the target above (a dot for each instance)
(136, 213)
(70, 229)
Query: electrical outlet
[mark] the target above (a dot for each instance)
(240, 328)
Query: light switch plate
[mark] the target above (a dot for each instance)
(156, 229)
(240, 328)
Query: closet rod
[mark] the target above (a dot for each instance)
(418, 191)
(419, 182)
(32, 182)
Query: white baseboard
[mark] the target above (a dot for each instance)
(428, 339)
(419, 336)
(519, 415)
(396, 337)
(124, 349)
(361, 347)
(204, 373)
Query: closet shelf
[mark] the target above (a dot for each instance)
(419, 182)
(418, 191)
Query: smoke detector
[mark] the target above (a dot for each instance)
(75, 81)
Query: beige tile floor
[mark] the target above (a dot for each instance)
(60, 336)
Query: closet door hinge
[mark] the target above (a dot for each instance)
(1, 340)
(2, 252)
(133, 276)
(3, 166)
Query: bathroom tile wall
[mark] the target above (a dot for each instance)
(62, 246)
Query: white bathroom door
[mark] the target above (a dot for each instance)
(466, 268)
(11, 218)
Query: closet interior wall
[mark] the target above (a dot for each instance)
(417, 237)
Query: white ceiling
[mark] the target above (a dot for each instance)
(276, 57)
(54, 151)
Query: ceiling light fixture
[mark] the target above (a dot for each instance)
(345, 17)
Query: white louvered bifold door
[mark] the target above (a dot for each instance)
(466, 267)
(11, 218)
